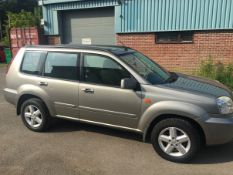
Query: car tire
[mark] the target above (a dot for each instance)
(35, 115)
(176, 140)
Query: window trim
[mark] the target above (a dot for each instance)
(40, 65)
(104, 85)
(77, 63)
(179, 40)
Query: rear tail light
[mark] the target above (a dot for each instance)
(9, 65)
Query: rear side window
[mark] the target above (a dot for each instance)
(32, 63)
(62, 66)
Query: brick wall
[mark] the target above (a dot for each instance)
(183, 57)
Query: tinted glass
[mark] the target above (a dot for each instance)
(145, 67)
(174, 37)
(62, 66)
(32, 63)
(103, 70)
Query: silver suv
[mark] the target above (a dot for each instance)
(121, 88)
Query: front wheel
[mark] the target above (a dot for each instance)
(176, 140)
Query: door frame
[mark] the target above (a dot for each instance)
(130, 116)
(77, 81)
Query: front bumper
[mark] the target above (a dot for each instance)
(218, 129)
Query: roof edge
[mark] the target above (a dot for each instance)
(47, 2)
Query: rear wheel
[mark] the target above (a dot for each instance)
(35, 115)
(176, 140)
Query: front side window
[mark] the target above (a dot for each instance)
(103, 70)
(62, 66)
(145, 67)
(32, 62)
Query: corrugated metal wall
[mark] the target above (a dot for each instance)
(173, 15)
(154, 15)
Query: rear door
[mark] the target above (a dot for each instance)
(100, 97)
(61, 82)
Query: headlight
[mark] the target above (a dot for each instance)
(225, 105)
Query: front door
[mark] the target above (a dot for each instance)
(60, 82)
(100, 97)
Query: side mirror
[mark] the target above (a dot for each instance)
(128, 83)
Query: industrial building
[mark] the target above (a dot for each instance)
(178, 34)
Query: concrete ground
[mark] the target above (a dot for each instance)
(74, 148)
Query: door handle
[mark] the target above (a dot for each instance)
(86, 90)
(43, 84)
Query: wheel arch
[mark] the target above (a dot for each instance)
(25, 97)
(148, 130)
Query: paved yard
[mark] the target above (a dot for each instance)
(73, 148)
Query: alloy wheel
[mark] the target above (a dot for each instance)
(33, 116)
(174, 141)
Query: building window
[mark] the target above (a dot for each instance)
(174, 37)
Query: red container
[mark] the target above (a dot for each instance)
(2, 55)
(20, 37)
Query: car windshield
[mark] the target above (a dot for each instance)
(145, 67)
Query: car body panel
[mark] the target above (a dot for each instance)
(110, 105)
(217, 129)
(63, 95)
(200, 85)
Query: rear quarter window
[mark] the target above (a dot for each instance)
(32, 63)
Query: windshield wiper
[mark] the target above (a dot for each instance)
(172, 78)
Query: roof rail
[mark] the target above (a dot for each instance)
(78, 46)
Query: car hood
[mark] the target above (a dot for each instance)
(199, 85)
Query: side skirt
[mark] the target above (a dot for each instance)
(100, 124)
